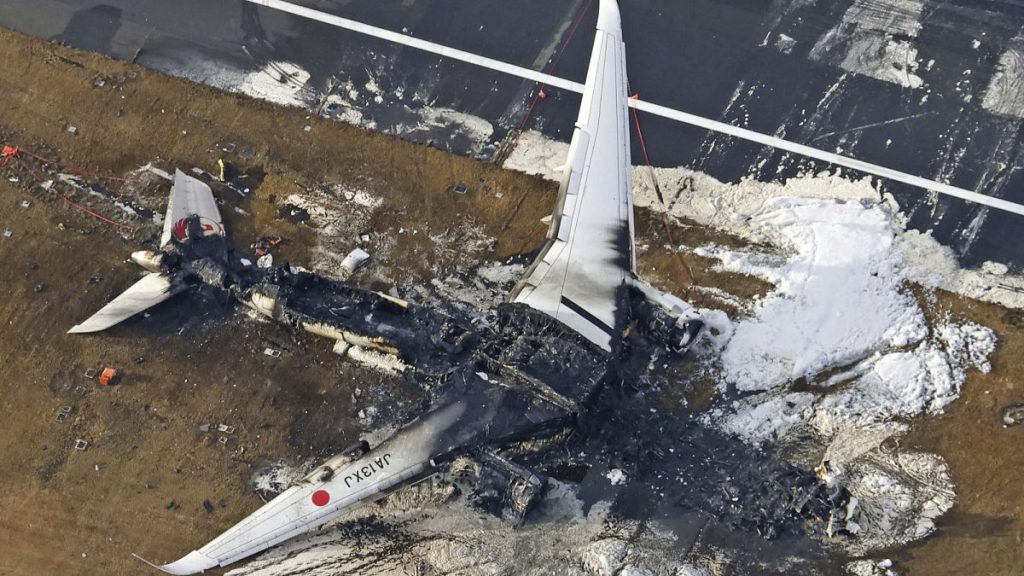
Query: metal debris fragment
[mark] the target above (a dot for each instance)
(355, 260)
(272, 353)
(1013, 414)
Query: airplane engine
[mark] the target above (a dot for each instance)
(667, 319)
(149, 260)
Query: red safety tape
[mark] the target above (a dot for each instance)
(661, 199)
(69, 201)
(541, 94)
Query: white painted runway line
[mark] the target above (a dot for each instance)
(658, 110)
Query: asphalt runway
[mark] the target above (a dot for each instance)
(910, 84)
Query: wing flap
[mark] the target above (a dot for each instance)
(151, 290)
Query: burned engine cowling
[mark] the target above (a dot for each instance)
(674, 334)
(665, 319)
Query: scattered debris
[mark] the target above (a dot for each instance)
(386, 363)
(7, 233)
(617, 477)
(225, 429)
(272, 353)
(365, 237)
(39, 288)
(341, 347)
(72, 129)
(204, 428)
(108, 376)
(26, 203)
(79, 391)
(208, 506)
(265, 261)
(263, 245)
(223, 440)
(95, 279)
(81, 444)
(171, 505)
(245, 262)
(90, 373)
(1013, 414)
(460, 188)
(355, 260)
(63, 413)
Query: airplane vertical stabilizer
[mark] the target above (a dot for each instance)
(589, 252)
(190, 197)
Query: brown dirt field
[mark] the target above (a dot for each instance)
(83, 512)
(984, 533)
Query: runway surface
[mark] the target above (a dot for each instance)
(934, 89)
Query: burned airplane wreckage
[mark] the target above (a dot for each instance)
(579, 328)
(500, 395)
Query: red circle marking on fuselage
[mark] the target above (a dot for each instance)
(321, 497)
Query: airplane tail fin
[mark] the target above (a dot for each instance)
(151, 290)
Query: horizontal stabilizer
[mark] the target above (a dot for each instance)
(151, 290)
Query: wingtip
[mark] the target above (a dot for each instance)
(194, 563)
(147, 562)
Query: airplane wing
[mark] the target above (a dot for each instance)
(328, 492)
(589, 251)
(151, 290)
(190, 197)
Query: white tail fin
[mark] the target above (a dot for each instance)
(190, 197)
